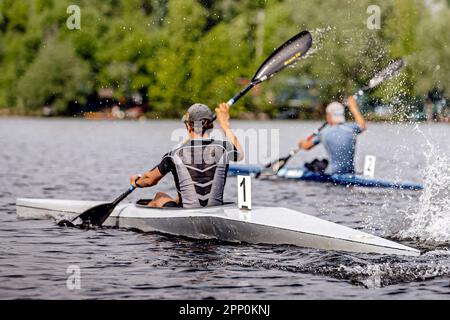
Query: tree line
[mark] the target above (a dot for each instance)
(173, 53)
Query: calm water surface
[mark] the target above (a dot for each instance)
(75, 159)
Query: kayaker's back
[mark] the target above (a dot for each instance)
(200, 169)
(340, 142)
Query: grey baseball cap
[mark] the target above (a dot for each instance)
(198, 112)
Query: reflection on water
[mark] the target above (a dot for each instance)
(75, 159)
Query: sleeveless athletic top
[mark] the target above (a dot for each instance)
(340, 142)
(199, 168)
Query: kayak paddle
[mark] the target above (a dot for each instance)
(287, 54)
(97, 215)
(284, 56)
(391, 70)
(275, 166)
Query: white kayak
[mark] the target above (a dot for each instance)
(261, 225)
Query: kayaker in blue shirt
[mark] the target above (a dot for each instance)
(339, 137)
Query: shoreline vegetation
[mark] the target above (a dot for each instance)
(153, 59)
(247, 116)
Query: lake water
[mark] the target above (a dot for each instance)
(76, 159)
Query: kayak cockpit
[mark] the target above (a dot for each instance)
(143, 203)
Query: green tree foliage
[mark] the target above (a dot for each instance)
(56, 77)
(172, 64)
(430, 62)
(177, 52)
(220, 53)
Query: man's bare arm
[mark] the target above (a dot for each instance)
(223, 118)
(148, 179)
(354, 109)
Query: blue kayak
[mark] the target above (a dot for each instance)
(336, 179)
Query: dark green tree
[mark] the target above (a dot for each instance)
(55, 78)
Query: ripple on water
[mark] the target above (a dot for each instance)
(35, 255)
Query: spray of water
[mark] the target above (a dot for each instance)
(318, 36)
(430, 220)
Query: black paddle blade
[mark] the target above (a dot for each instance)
(391, 70)
(287, 54)
(272, 168)
(65, 223)
(97, 215)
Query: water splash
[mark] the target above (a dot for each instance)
(318, 35)
(367, 271)
(430, 220)
(427, 219)
(384, 274)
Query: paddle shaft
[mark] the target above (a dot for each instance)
(295, 151)
(317, 131)
(123, 196)
(240, 95)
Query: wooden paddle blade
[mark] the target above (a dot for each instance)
(97, 215)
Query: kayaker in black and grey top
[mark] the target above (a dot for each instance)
(200, 165)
